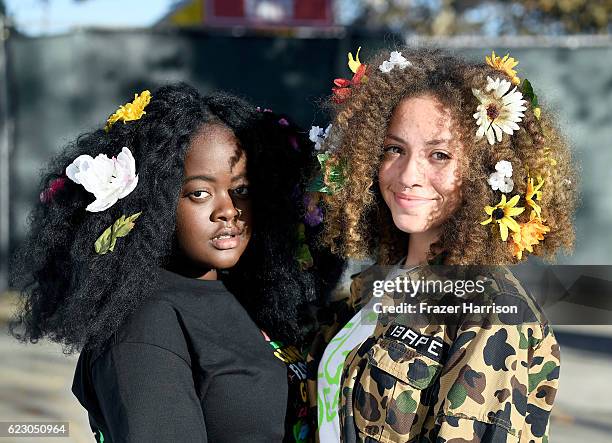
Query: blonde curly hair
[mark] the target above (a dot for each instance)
(358, 223)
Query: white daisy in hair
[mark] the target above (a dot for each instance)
(499, 111)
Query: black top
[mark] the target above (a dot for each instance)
(189, 366)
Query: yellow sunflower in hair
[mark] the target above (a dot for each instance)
(503, 214)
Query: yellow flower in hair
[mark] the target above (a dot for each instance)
(505, 65)
(529, 235)
(547, 156)
(354, 64)
(502, 213)
(130, 111)
(534, 193)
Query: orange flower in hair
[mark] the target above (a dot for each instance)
(342, 89)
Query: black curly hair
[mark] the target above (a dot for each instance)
(76, 297)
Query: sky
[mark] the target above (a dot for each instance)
(39, 17)
(48, 17)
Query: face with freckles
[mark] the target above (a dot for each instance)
(213, 225)
(419, 174)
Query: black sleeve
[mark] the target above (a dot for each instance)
(146, 393)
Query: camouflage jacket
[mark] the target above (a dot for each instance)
(477, 378)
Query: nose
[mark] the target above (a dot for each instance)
(411, 171)
(224, 209)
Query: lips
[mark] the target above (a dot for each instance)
(227, 238)
(410, 201)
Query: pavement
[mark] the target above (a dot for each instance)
(35, 382)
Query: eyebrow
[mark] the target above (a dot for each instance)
(433, 142)
(208, 178)
(396, 138)
(437, 141)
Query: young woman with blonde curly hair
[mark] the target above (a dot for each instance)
(437, 160)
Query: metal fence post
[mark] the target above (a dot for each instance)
(5, 150)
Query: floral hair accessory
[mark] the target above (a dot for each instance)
(504, 65)
(304, 257)
(317, 135)
(107, 179)
(55, 186)
(548, 157)
(532, 98)
(122, 227)
(503, 214)
(534, 193)
(529, 235)
(354, 64)
(396, 59)
(499, 110)
(314, 214)
(501, 179)
(342, 86)
(331, 173)
(130, 111)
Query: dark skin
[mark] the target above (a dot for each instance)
(213, 215)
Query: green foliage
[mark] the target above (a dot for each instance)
(462, 17)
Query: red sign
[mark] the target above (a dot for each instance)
(269, 12)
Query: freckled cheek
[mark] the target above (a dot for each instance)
(385, 175)
(446, 180)
(450, 191)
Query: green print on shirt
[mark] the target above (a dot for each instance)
(101, 436)
(327, 408)
(292, 358)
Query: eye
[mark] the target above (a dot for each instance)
(439, 155)
(199, 195)
(241, 191)
(393, 149)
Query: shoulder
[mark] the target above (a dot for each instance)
(156, 323)
(506, 291)
(362, 284)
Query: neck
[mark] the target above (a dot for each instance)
(187, 269)
(419, 244)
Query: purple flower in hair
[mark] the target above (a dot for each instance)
(314, 214)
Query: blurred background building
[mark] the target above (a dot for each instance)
(65, 65)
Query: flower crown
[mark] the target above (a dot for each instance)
(108, 179)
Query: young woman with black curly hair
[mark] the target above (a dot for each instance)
(176, 281)
(436, 160)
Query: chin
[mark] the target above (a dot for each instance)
(410, 224)
(223, 259)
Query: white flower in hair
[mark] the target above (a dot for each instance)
(317, 135)
(501, 179)
(499, 110)
(504, 167)
(498, 182)
(395, 59)
(108, 179)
